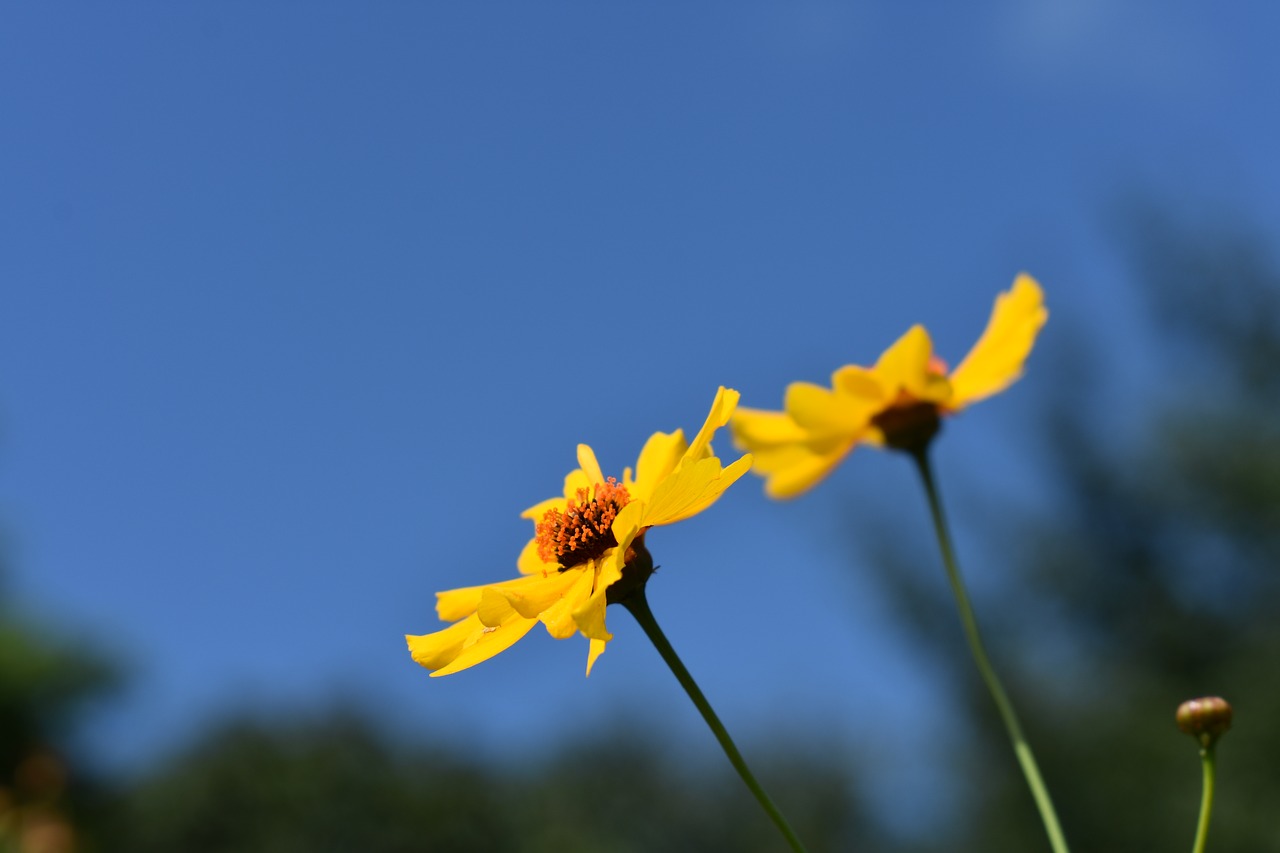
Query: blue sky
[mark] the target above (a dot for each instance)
(304, 303)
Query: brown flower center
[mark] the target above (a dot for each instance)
(908, 425)
(584, 531)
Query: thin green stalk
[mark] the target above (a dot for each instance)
(1206, 799)
(639, 607)
(1020, 746)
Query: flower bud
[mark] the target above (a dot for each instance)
(1205, 719)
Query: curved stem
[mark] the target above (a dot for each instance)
(1206, 800)
(639, 607)
(1021, 748)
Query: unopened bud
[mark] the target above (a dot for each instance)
(1205, 719)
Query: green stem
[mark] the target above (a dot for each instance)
(639, 607)
(1206, 799)
(1020, 746)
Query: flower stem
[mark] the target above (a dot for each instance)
(639, 607)
(1206, 799)
(1020, 746)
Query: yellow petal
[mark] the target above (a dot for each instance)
(905, 367)
(529, 563)
(487, 642)
(587, 462)
(530, 599)
(465, 643)
(575, 480)
(822, 411)
(873, 436)
(538, 510)
(997, 358)
(792, 471)
(693, 488)
(626, 524)
(683, 492)
(756, 428)
(440, 648)
(589, 616)
(779, 457)
(493, 608)
(658, 458)
(721, 410)
(907, 358)
(859, 382)
(455, 604)
(793, 459)
(558, 618)
(597, 649)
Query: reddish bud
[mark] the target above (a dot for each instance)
(1205, 719)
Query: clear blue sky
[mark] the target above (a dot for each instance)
(304, 302)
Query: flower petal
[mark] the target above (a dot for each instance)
(489, 642)
(794, 470)
(466, 643)
(494, 607)
(822, 411)
(530, 563)
(439, 649)
(996, 360)
(757, 428)
(721, 410)
(587, 462)
(905, 365)
(859, 382)
(659, 457)
(575, 480)
(558, 618)
(589, 616)
(455, 604)
(693, 488)
(533, 597)
(538, 510)
(626, 524)
(597, 649)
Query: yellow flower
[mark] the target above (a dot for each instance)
(897, 402)
(583, 543)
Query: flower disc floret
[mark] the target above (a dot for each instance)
(584, 530)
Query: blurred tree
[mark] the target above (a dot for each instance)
(335, 784)
(1154, 578)
(45, 686)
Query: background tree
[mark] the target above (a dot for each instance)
(336, 783)
(46, 685)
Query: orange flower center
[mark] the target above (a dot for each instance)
(584, 531)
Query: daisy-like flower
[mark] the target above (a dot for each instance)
(898, 402)
(587, 551)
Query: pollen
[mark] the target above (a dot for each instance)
(584, 531)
